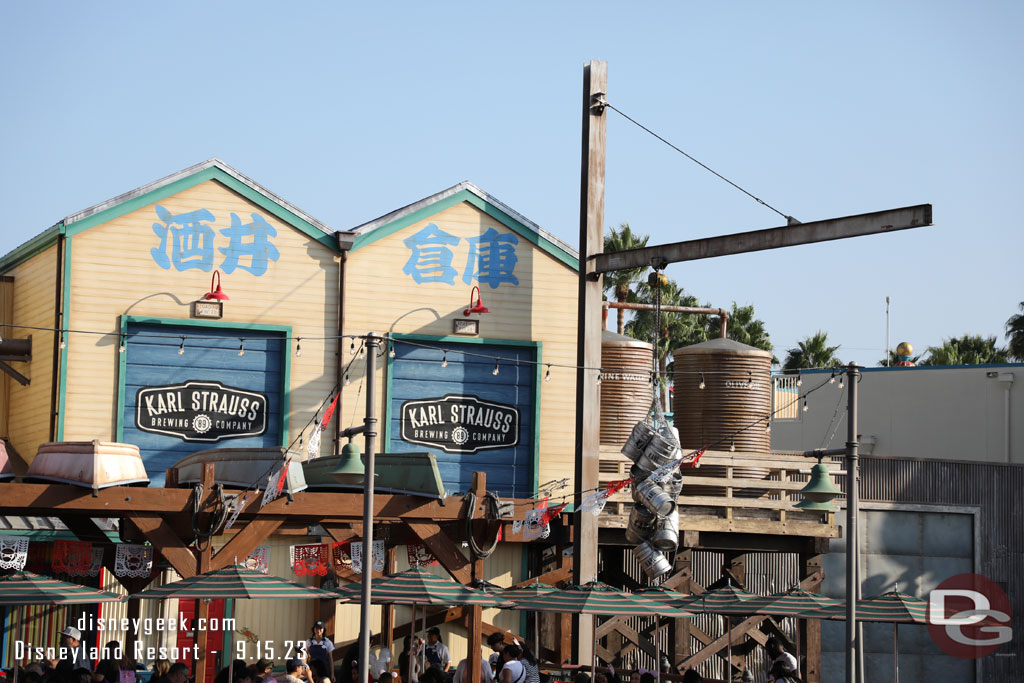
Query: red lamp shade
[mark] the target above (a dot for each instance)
(478, 307)
(217, 293)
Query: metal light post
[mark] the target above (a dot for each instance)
(370, 432)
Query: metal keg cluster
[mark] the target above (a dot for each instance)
(654, 520)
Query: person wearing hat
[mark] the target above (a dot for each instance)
(320, 647)
(295, 671)
(72, 656)
(437, 652)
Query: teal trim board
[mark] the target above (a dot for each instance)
(65, 304)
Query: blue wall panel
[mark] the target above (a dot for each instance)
(152, 359)
(416, 373)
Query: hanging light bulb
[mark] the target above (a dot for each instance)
(63, 344)
(841, 380)
(702, 384)
(120, 347)
(598, 376)
(732, 446)
(805, 405)
(547, 375)
(347, 380)
(181, 347)
(750, 379)
(298, 346)
(444, 361)
(768, 426)
(241, 347)
(391, 353)
(799, 379)
(362, 350)
(832, 379)
(495, 372)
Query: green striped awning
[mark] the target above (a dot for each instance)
(795, 602)
(665, 595)
(534, 590)
(233, 583)
(893, 607)
(598, 598)
(728, 600)
(27, 588)
(417, 586)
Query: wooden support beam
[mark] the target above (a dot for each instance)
(681, 629)
(244, 542)
(387, 617)
(564, 630)
(203, 560)
(18, 377)
(809, 630)
(162, 536)
(444, 549)
(85, 529)
(477, 574)
(719, 643)
(773, 238)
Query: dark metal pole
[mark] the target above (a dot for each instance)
(370, 421)
(853, 644)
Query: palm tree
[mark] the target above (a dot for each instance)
(742, 327)
(677, 329)
(1015, 333)
(812, 352)
(970, 349)
(620, 282)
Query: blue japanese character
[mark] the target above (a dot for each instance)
(190, 240)
(492, 258)
(431, 258)
(259, 248)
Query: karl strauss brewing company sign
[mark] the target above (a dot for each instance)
(201, 411)
(460, 424)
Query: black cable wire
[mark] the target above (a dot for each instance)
(789, 219)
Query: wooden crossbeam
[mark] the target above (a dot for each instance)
(244, 542)
(444, 549)
(773, 238)
(162, 536)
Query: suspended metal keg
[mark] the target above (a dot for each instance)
(659, 451)
(666, 532)
(673, 484)
(638, 440)
(642, 523)
(652, 560)
(650, 494)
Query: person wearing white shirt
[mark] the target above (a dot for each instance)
(513, 671)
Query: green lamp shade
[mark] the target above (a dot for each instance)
(350, 466)
(820, 488)
(812, 506)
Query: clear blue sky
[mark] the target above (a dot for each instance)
(351, 110)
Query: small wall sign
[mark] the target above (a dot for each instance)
(201, 411)
(208, 309)
(467, 327)
(460, 424)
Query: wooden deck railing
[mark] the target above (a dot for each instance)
(732, 492)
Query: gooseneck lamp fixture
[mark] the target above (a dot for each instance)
(478, 307)
(218, 293)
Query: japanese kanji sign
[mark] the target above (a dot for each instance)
(490, 260)
(187, 242)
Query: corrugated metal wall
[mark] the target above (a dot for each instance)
(996, 491)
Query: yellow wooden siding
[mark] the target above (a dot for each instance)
(113, 274)
(380, 297)
(28, 407)
(6, 318)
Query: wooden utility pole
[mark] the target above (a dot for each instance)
(588, 339)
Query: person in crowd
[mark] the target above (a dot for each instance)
(581, 677)
(178, 673)
(601, 678)
(71, 657)
(320, 646)
(433, 675)
(387, 677)
(634, 677)
(647, 677)
(513, 670)
(529, 662)
(692, 676)
(462, 672)
(295, 671)
(349, 661)
(160, 669)
(263, 671)
(318, 670)
(380, 661)
(437, 652)
(408, 660)
(81, 675)
(496, 642)
(782, 662)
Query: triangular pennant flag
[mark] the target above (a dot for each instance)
(327, 415)
(313, 447)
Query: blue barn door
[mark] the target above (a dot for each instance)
(470, 418)
(207, 396)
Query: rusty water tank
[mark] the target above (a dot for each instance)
(736, 394)
(625, 385)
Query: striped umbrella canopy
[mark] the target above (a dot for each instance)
(893, 607)
(533, 590)
(665, 595)
(600, 599)
(728, 601)
(27, 588)
(417, 586)
(795, 602)
(234, 582)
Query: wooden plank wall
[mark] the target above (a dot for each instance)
(6, 318)
(380, 297)
(28, 407)
(113, 274)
